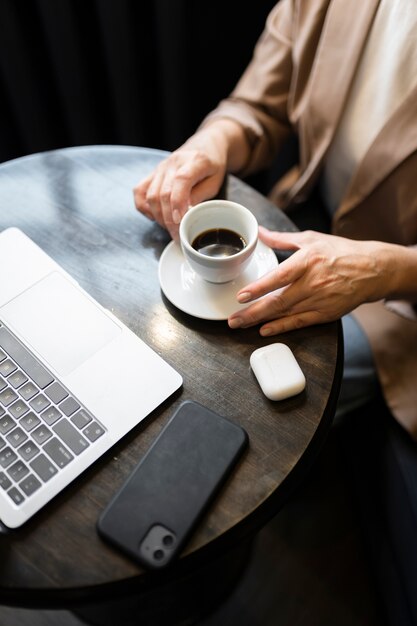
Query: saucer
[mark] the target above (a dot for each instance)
(210, 301)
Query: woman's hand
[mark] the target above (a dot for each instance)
(192, 173)
(325, 278)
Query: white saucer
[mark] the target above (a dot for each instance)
(195, 296)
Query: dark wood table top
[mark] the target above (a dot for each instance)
(77, 203)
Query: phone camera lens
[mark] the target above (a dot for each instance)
(158, 555)
(168, 540)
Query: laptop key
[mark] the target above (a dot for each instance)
(2, 443)
(7, 367)
(70, 436)
(3, 383)
(7, 456)
(15, 495)
(7, 396)
(16, 437)
(81, 419)
(5, 482)
(28, 450)
(69, 406)
(28, 391)
(17, 471)
(56, 392)
(17, 379)
(51, 415)
(18, 408)
(24, 359)
(29, 421)
(41, 434)
(43, 467)
(39, 403)
(93, 431)
(6, 424)
(58, 452)
(30, 484)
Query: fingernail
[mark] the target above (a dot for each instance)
(176, 216)
(235, 322)
(266, 331)
(245, 296)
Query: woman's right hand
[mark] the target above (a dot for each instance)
(191, 174)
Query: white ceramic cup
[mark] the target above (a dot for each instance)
(214, 214)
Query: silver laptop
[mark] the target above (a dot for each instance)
(73, 378)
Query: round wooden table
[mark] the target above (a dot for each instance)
(77, 203)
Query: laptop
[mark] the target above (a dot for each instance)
(73, 378)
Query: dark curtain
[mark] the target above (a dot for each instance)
(79, 72)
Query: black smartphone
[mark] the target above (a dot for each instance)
(154, 512)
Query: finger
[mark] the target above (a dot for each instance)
(276, 239)
(167, 199)
(292, 322)
(179, 200)
(153, 195)
(296, 298)
(207, 188)
(287, 272)
(146, 211)
(144, 208)
(182, 186)
(272, 306)
(195, 181)
(173, 195)
(139, 194)
(290, 240)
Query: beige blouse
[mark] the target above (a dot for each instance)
(386, 74)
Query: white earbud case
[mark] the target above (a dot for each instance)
(277, 371)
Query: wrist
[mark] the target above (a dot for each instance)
(399, 271)
(230, 138)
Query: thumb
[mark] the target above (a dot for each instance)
(277, 239)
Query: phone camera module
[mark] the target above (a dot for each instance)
(158, 555)
(168, 540)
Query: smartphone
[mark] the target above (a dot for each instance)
(154, 513)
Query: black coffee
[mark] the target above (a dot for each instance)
(219, 242)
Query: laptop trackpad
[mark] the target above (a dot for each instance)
(60, 322)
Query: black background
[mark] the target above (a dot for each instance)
(134, 72)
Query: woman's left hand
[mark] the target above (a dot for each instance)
(326, 277)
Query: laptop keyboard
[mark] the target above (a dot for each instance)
(43, 427)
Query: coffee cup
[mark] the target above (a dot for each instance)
(218, 239)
